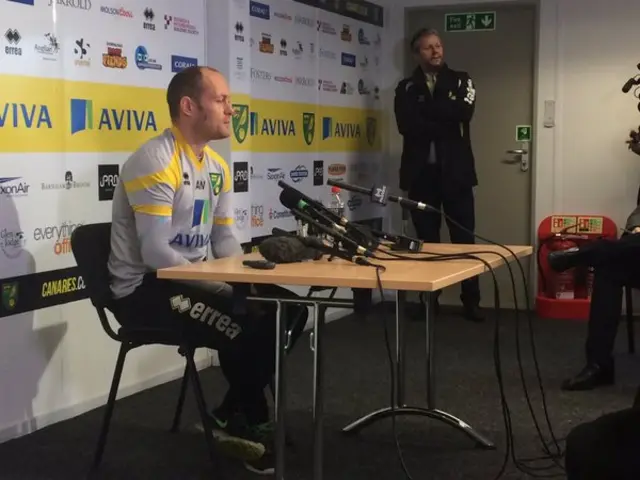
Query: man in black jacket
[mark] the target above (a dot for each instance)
(616, 263)
(433, 110)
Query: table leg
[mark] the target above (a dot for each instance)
(318, 388)
(430, 410)
(400, 350)
(280, 390)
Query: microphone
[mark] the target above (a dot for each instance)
(379, 195)
(342, 239)
(294, 196)
(291, 200)
(286, 249)
(333, 250)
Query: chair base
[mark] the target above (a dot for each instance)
(190, 376)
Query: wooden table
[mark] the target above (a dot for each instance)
(401, 276)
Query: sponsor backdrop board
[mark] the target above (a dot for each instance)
(303, 76)
(83, 84)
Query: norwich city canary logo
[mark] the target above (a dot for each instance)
(309, 127)
(371, 130)
(240, 122)
(216, 183)
(9, 295)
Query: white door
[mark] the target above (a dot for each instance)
(500, 60)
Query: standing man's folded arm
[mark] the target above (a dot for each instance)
(409, 119)
(150, 182)
(462, 106)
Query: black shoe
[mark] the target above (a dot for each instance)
(473, 314)
(591, 376)
(562, 260)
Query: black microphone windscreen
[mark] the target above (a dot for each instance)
(290, 198)
(286, 250)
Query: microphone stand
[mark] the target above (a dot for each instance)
(334, 251)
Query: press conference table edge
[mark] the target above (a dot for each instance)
(404, 275)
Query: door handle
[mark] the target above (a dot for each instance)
(520, 155)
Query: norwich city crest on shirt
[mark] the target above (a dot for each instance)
(308, 126)
(371, 130)
(9, 295)
(216, 183)
(240, 122)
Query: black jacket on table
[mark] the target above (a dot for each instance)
(443, 118)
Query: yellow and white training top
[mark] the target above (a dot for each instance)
(168, 206)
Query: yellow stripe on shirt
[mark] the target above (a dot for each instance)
(158, 210)
(171, 175)
(223, 221)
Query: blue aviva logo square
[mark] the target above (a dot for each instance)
(81, 115)
(200, 213)
(327, 127)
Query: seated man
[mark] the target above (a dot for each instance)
(605, 448)
(172, 200)
(616, 264)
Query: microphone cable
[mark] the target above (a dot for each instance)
(497, 363)
(520, 463)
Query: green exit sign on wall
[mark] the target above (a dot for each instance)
(470, 22)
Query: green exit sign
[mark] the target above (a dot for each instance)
(523, 133)
(470, 22)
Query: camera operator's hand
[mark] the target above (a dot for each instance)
(634, 143)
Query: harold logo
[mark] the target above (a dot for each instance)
(240, 177)
(207, 315)
(318, 172)
(108, 177)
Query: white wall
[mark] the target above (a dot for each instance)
(587, 49)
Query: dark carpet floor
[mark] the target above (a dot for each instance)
(357, 381)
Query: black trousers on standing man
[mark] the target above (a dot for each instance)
(457, 204)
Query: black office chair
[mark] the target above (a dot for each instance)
(91, 246)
